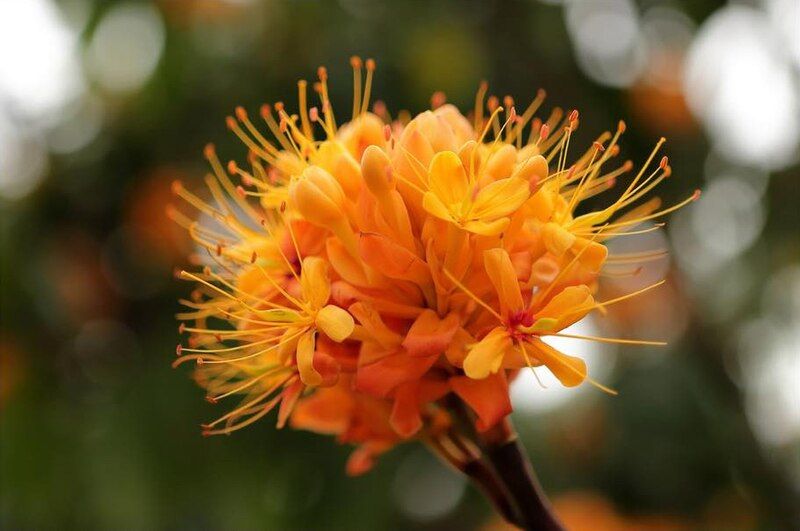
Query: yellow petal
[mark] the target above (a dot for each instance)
(305, 360)
(487, 228)
(533, 169)
(447, 178)
(557, 239)
(314, 281)
(501, 162)
(504, 278)
(335, 323)
(569, 370)
(568, 307)
(434, 206)
(500, 198)
(486, 356)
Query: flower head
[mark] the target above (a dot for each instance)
(362, 276)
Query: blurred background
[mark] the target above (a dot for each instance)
(103, 103)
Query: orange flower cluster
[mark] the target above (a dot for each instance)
(361, 281)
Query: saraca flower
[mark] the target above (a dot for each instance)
(386, 278)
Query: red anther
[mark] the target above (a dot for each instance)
(664, 162)
(206, 269)
(612, 182)
(230, 121)
(284, 125)
(209, 150)
(253, 257)
(492, 103)
(313, 114)
(621, 127)
(317, 86)
(200, 361)
(541, 93)
(322, 73)
(544, 132)
(696, 195)
(615, 150)
(370, 64)
(176, 186)
(266, 110)
(355, 61)
(240, 190)
(211, 399)
(598, 146)
(247, 180)
(667, 171)
(176, 272)
(241, 114)
(282, 208)
(628, 165)
(573, 116)
(508, 101)
(512, 114)
(387, 132)
(218, 337)
(484, 85)
(278, 106)
(196, 295)
(193, 341)
(438, 99)
(182, 328)
(178, 349)
(219, 249)
(232, 167)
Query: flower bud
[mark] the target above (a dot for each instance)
(318, 197)
(375, 169)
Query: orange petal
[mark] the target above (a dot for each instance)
(405, 418)
(392, 259)
(371, 320)
(381, 377)
(488, 398)
(327, 411)
(429, 335)
(290, 396)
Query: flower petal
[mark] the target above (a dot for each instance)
(569, 370)
(447, 178)
(569, 306)
(305, 360)
(335, 323)
(429, 335)
(487, 397)
(500, 198)
(504, 278)
(315, 282)
(486, 356)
